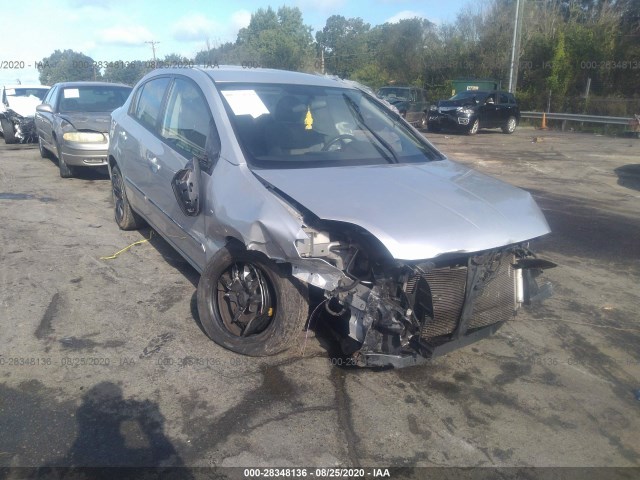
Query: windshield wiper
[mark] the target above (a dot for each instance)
(355, 109)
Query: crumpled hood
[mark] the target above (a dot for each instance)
(98, 122)
(417, 211)
(24, 106)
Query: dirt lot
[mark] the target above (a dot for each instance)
(102, 361)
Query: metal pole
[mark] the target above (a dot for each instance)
(513, 47)
(153, 49)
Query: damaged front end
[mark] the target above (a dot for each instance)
(395, 313)
(24, 129)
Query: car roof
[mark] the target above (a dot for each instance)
(237, 74)
(26, 86)
(90, 84)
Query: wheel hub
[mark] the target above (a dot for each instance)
(248, 301)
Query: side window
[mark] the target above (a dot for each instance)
(504, 98)
(134, 101)
(512, 99)
(150, 101)
(186, 120)
(50, 96)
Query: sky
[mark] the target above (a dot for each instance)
(110, 30)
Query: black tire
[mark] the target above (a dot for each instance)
(280, 302)
(474, 127)
(44, 153)
(8, 132)
(65, 170)
(510, 126)
(124, 215)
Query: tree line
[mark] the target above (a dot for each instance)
(578, 56)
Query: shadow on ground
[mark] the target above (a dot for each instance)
(629, 176)
(105, 430)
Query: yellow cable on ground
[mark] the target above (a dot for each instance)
(128, 247)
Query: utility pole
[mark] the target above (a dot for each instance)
(153, 49)
(515, 46)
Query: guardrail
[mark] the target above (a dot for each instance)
(572, 117)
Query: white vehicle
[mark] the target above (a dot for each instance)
(17, 111)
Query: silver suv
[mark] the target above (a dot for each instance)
(273, 183)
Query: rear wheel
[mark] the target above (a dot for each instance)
(249, 305)
(8, 132)
(125, 217)
(510, 126)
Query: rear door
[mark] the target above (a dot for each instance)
(140, 142)
(183, 128)
(505, 108)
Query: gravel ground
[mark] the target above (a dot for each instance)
(102, 362)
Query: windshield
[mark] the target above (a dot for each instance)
(393, 93)
(92, 98)
(27, 92)
(297, 126)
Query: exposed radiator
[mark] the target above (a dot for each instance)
(446, 288)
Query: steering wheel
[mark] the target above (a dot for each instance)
(336, 139)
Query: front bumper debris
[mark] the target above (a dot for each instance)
(440, 308)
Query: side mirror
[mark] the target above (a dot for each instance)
(186, 188)
(44, 108)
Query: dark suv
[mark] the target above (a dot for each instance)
(470, 111)
(411, 102)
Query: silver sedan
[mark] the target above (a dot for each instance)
(73, 123)
(275, 185)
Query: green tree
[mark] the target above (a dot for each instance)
(67, 66)
(400, 49)
(343, 42)
(128, 73)
(559, 78)
(277, 40)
